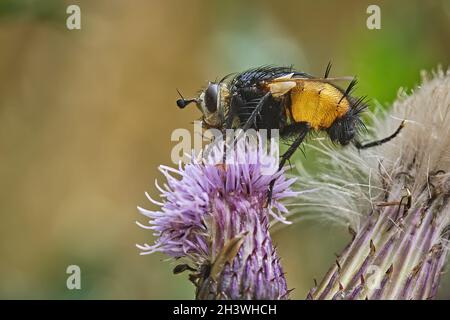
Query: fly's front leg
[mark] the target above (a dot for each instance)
(265, 101)
(236, 104)
(302, 129)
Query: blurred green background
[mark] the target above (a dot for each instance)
(86, 117)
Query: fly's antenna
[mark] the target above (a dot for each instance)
(182, 103)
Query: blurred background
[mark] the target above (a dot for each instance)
(86, 117)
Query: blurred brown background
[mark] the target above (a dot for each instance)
(86, 117)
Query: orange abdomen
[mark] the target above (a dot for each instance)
(318, 103)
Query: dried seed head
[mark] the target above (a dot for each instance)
(395, 197)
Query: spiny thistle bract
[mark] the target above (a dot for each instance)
(394, 199)
(213, 218)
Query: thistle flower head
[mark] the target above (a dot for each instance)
(394, 199)
(213, 217)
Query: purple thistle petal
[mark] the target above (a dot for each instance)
(205, 207)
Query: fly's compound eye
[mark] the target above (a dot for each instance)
(211, 94)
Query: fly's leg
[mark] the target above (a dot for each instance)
(264, 102)
(375, 143)
(302, 129)
(235, 104)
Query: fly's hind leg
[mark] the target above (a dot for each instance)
(375, 143)
(302, 129)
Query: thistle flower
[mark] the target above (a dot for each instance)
(213, 217)
(394, 200)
